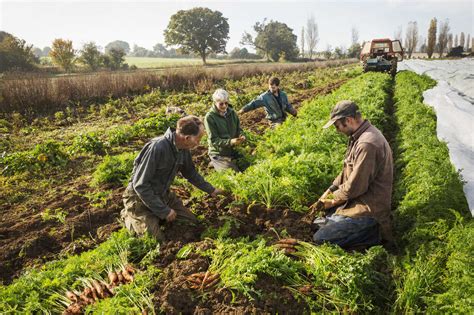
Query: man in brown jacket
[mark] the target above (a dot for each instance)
(362, 192)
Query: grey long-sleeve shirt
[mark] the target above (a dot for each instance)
(156, 167)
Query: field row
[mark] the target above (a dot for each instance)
(292, 166)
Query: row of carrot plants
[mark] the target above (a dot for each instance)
(435, 229)
(297, 162)
(293, 165)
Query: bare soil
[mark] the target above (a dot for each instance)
(26, 239)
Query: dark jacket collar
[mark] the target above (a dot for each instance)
(363, 127)
(170, 136)
(271, 93)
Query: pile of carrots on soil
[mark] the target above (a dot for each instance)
(288, 245)
(98, 290)
(202, 280)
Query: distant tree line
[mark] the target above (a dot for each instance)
(439, 40)
(203, 33)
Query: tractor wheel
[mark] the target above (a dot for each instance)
(364, 66)
(393, 68)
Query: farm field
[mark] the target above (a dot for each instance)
(48, 168)
(148, 62)
(62, 182)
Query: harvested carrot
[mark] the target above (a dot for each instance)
(305, 289)
(113, 277)
(127, 276)
(291, 241)
(193, 280)
(204, 279)
(199, 275)
(71, 296)
(110, 289)
(130, 269)
(98, 288)
(86, 299)
(73, 309)
(95, 295)
(119, 276)
(212, 283)
(88, 292)
(212, 277)
(284, 245)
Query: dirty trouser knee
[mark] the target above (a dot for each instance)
(137, 217)
(347, 232)
(222, 163)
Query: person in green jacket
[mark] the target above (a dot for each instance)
(223, 132)
(275, 102)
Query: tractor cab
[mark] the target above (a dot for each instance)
(381, 55)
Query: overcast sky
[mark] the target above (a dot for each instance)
(143, 23)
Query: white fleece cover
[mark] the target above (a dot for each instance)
(453, 101)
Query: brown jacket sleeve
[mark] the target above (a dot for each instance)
(363, 172)
(338, 180)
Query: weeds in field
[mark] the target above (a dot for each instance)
(44, 156)
(88, 142)
(114, 170)
(57, 214)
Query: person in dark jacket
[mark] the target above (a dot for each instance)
(275, 101)
(223, 132)
(148, 200)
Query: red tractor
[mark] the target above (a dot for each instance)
(381, 55)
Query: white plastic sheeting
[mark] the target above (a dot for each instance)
(453, 101)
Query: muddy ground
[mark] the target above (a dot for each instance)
(172, 294)
(26, 239)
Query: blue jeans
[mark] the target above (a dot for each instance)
(348, 232)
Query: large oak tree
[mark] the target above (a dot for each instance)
(198, 30)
